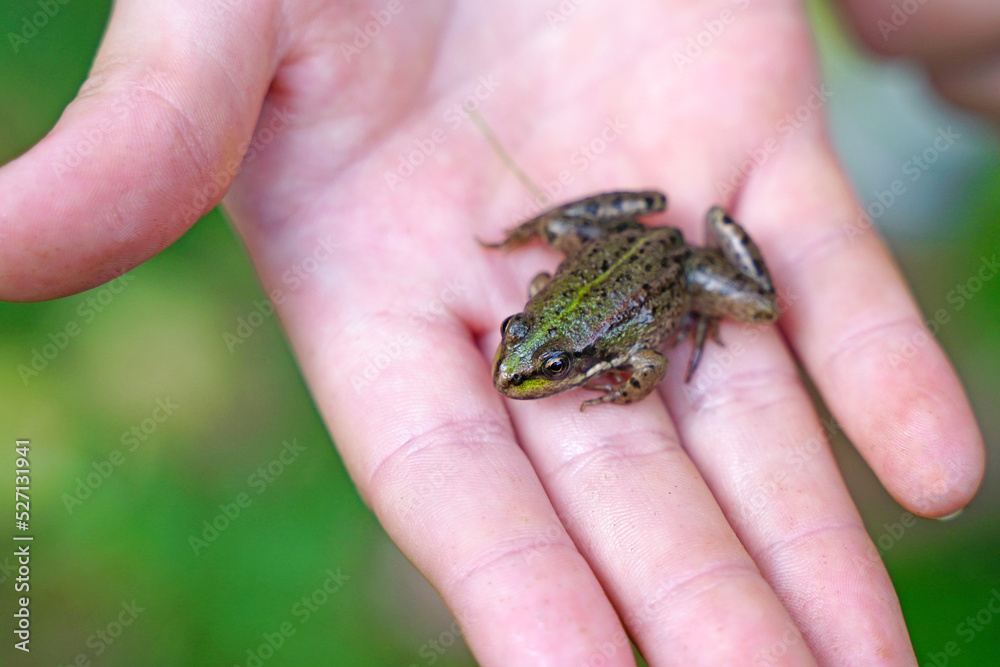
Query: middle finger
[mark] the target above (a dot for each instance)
(639, 511)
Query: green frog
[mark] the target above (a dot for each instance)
(622, 289)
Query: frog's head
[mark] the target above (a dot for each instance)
(529, 364)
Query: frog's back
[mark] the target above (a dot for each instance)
(618, 290)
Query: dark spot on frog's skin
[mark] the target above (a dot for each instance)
(552, 331)
(642, 250)
(634, 382)
(588, 351)
(664, 262)
(758, 266)
(650, 202)
(617, 202)
(592, 208)
(646, 287)
(605, 265)
(631, 238)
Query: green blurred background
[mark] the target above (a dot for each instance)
(133, 452)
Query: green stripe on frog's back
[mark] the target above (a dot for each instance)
(573, 303)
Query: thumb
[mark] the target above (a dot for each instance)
(150, 144)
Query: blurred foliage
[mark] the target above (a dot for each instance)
(145, 428)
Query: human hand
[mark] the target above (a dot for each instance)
(956, 42)
(742, 545)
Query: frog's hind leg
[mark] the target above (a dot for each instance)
(728, 280)
(569, 226)
(737, 247)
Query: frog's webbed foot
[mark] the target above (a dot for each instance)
(647, 369)
(517, 236)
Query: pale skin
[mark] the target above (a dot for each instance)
(691, 517)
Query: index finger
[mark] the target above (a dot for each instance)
(447, 480)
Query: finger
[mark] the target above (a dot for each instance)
(856, 329)
(932, 31)
(974, 84)
(750, 428)
(426, 440)
(148, 146)
(643, 517)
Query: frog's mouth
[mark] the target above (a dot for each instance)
(521, 387)
(518, 383)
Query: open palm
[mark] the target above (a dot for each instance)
(711, 522)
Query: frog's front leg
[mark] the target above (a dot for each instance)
(728, 280)
(569, 226)
(647, 369)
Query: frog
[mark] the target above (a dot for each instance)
(623, 289)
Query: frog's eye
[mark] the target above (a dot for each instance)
(503, 325)
(555, 365)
